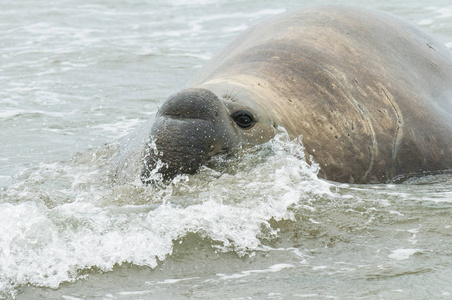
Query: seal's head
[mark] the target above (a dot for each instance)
(195, 124)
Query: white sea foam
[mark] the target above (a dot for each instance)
(9, 113)
(444, 12)
(238, 28)
(66, 297)
(17, 112)
(403, 254)
(192, 3)
(274, 268)
(118, 129)
(425, 22)
(171, 281)
(136, 293)
(47, 237)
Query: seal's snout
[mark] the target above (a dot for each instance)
(186, 131)
(199, 104)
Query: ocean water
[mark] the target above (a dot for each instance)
(79, 80)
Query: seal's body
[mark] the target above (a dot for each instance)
(370, 95)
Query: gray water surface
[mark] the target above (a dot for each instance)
(77, 76)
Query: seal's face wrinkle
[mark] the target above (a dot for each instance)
(241, 115)
(249, 121)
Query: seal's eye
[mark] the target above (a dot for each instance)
(244, 119)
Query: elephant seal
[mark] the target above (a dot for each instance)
(369, 94)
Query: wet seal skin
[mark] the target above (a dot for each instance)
(369, 93)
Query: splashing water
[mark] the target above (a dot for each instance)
(71, 216)
(256, 225)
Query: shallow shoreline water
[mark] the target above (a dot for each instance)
(76, 77)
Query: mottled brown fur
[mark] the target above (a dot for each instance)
(368, 92)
